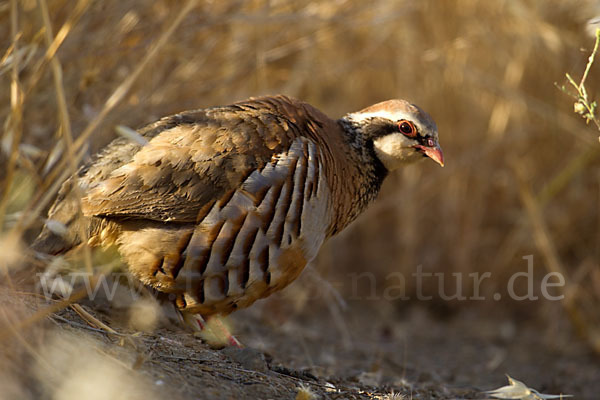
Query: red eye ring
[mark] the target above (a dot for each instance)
(407, 128)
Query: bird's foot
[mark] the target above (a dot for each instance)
(212, 330)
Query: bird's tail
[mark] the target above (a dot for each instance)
(61, 231)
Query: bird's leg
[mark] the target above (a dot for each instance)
(217, 323)
(212, 330)
(193, 321)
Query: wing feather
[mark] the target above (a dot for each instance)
(192, 159)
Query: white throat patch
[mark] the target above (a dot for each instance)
(395, 150)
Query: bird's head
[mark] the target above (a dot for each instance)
(400, 133)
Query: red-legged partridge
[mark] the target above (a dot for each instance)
(226, 205)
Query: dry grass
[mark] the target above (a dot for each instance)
(522, 172)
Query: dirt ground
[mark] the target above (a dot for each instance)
(368, 350)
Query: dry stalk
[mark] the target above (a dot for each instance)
(57, 41)
(15, 123)
(573, 168)
(14, 330)
(583, 106)
(123, 89)
(116, 97)
(67, 135)
(546, 247)
(51, 309)
(90, 319)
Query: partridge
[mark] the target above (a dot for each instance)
(223, 206)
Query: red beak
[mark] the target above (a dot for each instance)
(434, 152)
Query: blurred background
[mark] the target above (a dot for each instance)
(522, 172)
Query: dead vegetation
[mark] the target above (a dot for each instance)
(521, 179)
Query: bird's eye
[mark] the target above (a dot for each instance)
(407, 128)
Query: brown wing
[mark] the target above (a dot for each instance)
(194, 158)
